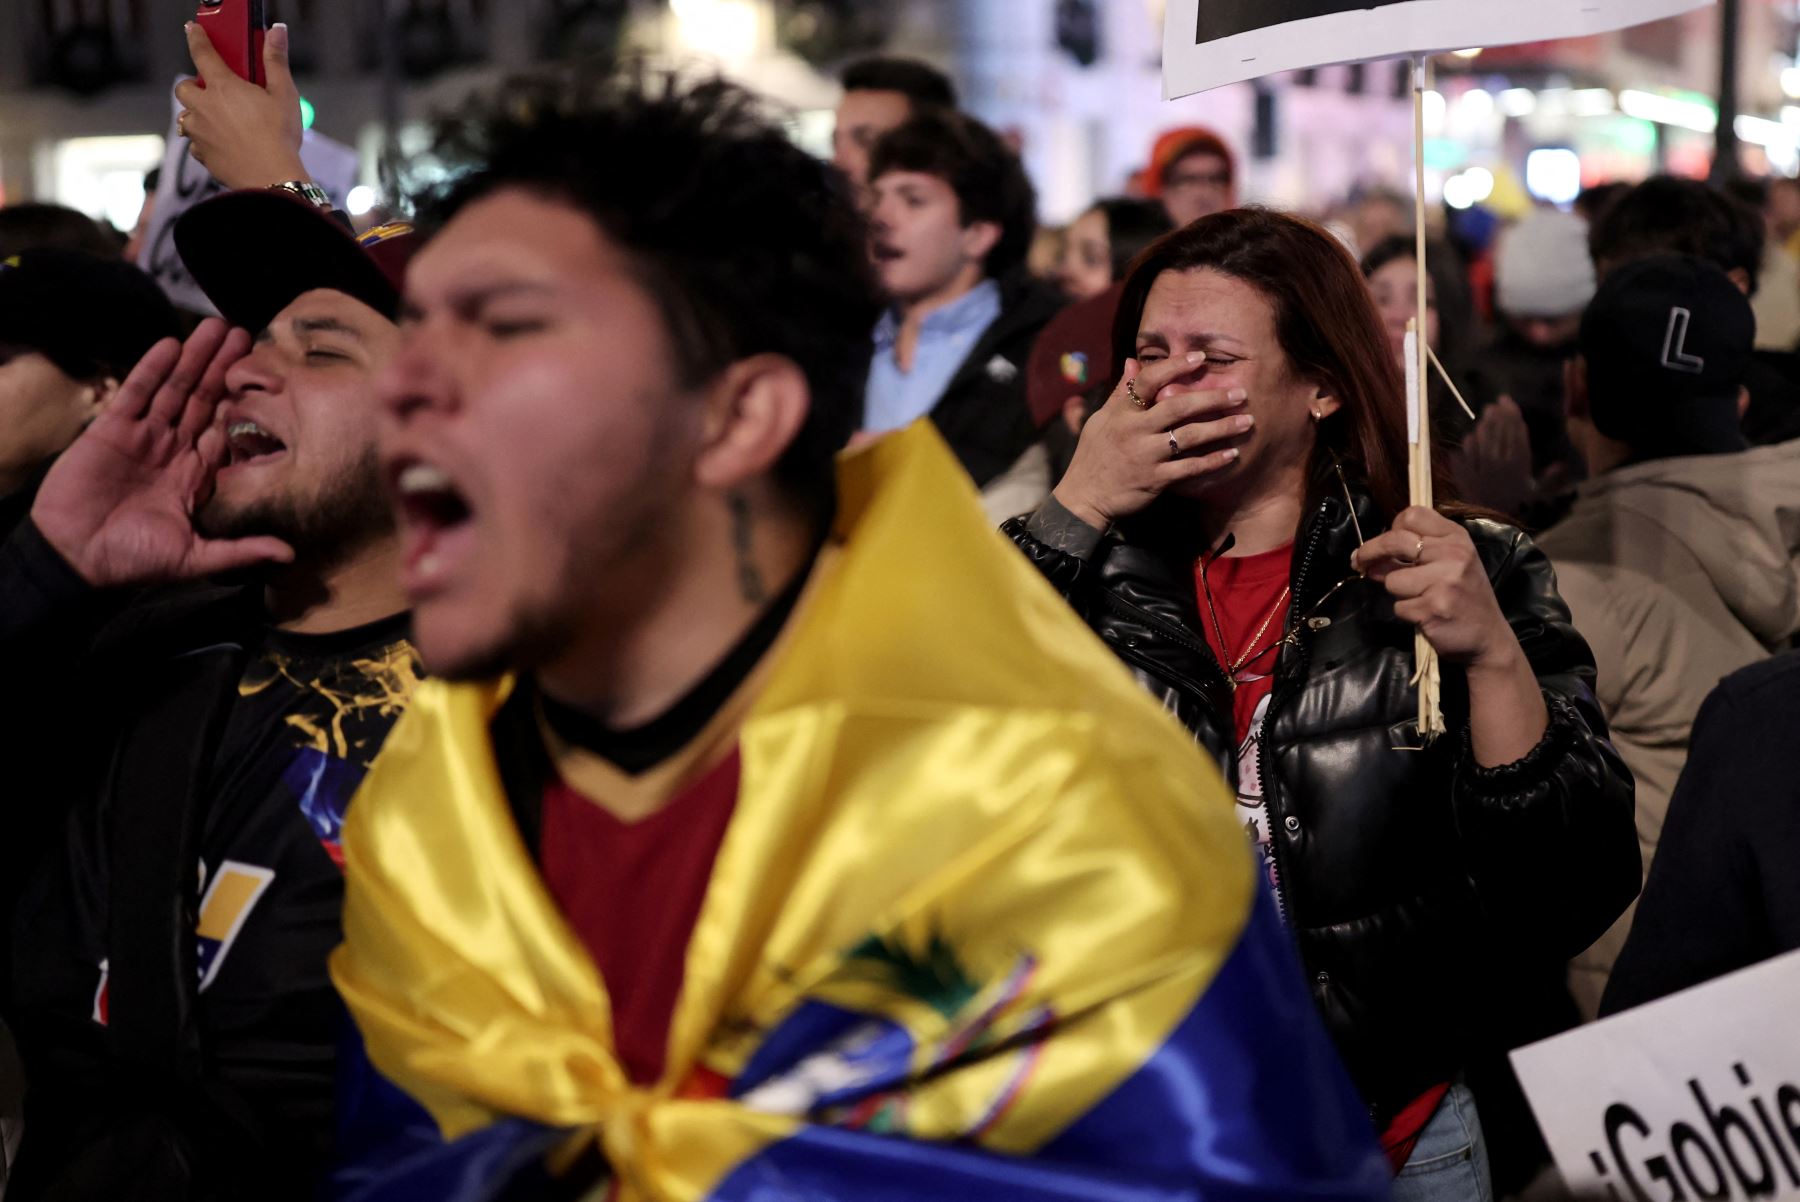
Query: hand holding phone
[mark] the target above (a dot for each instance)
(236, 29)
(247, 136)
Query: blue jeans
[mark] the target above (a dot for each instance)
(1449, 1163)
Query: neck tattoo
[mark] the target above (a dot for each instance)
(750, 581)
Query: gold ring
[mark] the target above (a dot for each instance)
(1418, 551)
(1174, 447)
(181, 122)
(1131, 391)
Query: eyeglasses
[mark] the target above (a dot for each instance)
(1210, 179)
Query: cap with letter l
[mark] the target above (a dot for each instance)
(1667, 342)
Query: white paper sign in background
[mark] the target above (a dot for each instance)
(185, 183)
(1694, 1096)
(1210, 43)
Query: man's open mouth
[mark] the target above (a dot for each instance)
(247, 442)
(429, 498)
(436, 524)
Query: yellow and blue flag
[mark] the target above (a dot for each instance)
(983, 926)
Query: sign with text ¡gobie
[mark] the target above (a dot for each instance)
(1210, 43)
(1693, 1096)
(185, 183)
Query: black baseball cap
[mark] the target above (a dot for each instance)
(90, 316)
(1668, 341)
(255, 252)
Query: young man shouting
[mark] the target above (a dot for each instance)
(781, 832)
(953, 219)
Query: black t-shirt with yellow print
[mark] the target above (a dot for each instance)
(307, 718)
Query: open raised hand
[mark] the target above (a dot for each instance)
(119, 504)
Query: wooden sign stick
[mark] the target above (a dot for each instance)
(1426, 674)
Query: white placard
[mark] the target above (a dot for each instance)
(1694, 1096)
(185, 183)
(1210, 43)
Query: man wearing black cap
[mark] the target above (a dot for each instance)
(1681, 557)
(169, 991)
(72, 326)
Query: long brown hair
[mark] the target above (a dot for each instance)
(1326, 322)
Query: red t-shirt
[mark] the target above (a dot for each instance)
(632, 892)
(1244, 591)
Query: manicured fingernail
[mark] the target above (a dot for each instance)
(1197, 357)
(1245, 422)
(1237, 394)
(1231, 454)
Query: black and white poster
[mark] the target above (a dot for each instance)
(1210, 43)
(1693, 1096)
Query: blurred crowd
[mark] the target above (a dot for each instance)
(736, 814)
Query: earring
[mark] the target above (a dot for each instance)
(1317, 417)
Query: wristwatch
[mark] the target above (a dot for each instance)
(306, 190)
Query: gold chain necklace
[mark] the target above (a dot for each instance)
(1232, 669)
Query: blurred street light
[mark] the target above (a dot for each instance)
(1554, 174)
(1518, 102)
(1592, 102)
(1469, 188)
(1434, 112)
(1667, 110)
(724, 29)
(1476, 104)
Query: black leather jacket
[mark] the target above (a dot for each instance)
(1414, 881)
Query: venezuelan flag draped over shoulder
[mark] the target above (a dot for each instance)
(983, 926)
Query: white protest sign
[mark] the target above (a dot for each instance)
(1693, 1096)
(1210, 43)
(185, 183)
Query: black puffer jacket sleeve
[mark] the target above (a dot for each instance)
(1061, 547)
(1551, 841)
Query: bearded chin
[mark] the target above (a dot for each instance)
(346, 515)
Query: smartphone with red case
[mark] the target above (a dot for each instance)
(236, 29)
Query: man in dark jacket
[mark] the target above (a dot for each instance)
(1670, 216)
(1722, 893)
(169, 991)
(953, 221)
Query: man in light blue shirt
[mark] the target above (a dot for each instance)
(942, 340)
(953, 220)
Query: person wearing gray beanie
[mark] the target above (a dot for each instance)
(1543, 280)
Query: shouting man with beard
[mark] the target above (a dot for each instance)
(198, 742)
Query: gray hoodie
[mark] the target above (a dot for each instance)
(1678, 572)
